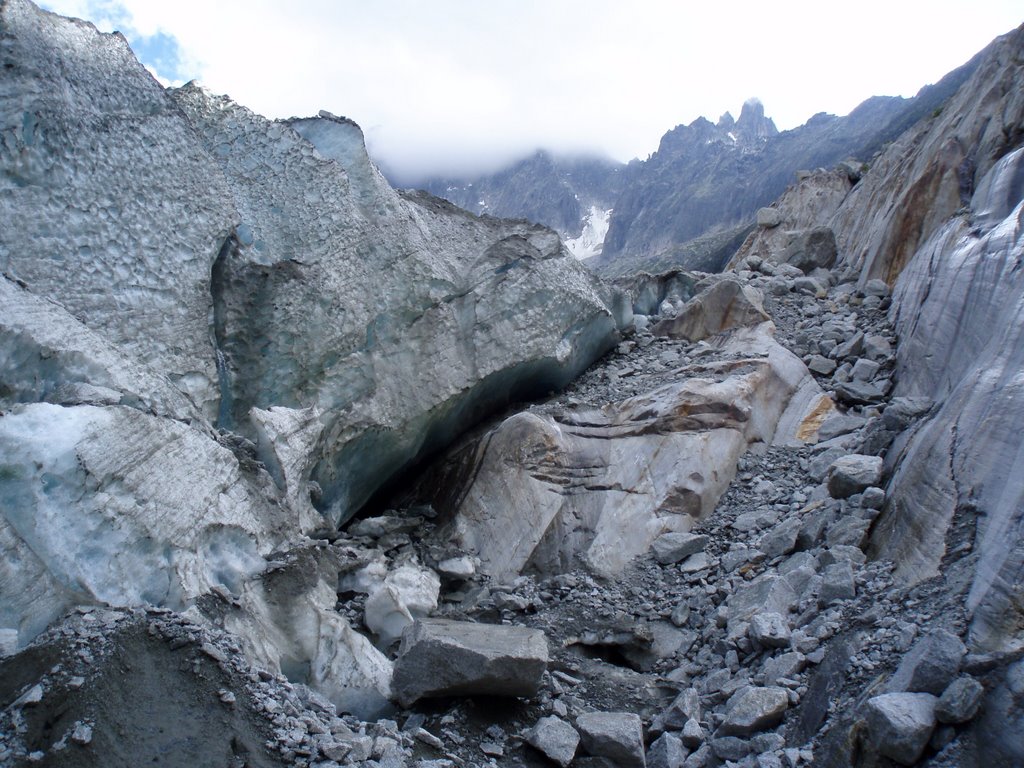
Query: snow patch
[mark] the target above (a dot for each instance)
(591, 239)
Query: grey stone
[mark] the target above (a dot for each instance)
(811, 249)
(619, 736)
(821, 365)
(837, 583)
(930, 665)
(810, 286)
(859, 393)
(768, 217)
(771, 630)
(839, 424)
(900, 724)
(872, 498)
(848, 531)
(685, 707)
(754, 709)
(667, 751)
(730, 748)
(693, 734)
(852, 474)
(960, 701)
(555, 738)
(781, 540)
(876, 287)
(440, 657)
(864, 369)
(676, 546)
(851, 348)
(770, 593)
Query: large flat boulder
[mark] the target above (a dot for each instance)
(441, 657)
(725, 304)
(547, 489)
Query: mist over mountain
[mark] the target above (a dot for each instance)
(692, 202)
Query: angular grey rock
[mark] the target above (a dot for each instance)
(781, 540)
(754, 709)
(619, 736)
(864, 370)
(555, 738)
(960, 701)
(900, 724)
(875, 287)
(727, 303)
(685, 707)
(837, 583)
(730, 748)
(821, 365)
(852, 474)
(693, 734)
(859, 393)
(667, 751)
(675, 546)
(786, 665)
(851, 348)
(811, 249)
(769, 593)
(440, 657)
(930, 665)
(771, 630)
(877, 348)
(839, 424)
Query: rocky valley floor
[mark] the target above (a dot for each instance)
(765, 636)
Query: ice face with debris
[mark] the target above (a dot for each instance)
(113, 505)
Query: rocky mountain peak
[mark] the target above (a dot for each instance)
(752, 123)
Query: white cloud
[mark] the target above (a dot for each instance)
(437, 83)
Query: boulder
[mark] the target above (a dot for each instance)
(837, 583)
(595, 487)
(770, 630)
(768, 217)
(960, 701)
(852, 474)
(667, 751)
(727, 303)
(674, 547)
(754, 709)
(930, 665)
(555, 738)
(441, 657)
(618, 736)
(810, 249)
(900, 724)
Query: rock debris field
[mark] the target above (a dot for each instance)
(763, 636)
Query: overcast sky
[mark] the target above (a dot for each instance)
(450, 86)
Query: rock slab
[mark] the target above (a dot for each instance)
(619, 736)
(441, 657)
(555, 738)
(900, 724)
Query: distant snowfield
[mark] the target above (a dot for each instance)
(591, 239)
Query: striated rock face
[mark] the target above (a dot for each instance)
(543, 491)
(959, 307)
(932, 170)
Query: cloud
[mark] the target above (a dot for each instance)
(454, 84)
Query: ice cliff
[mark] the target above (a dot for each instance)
(220, 333)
